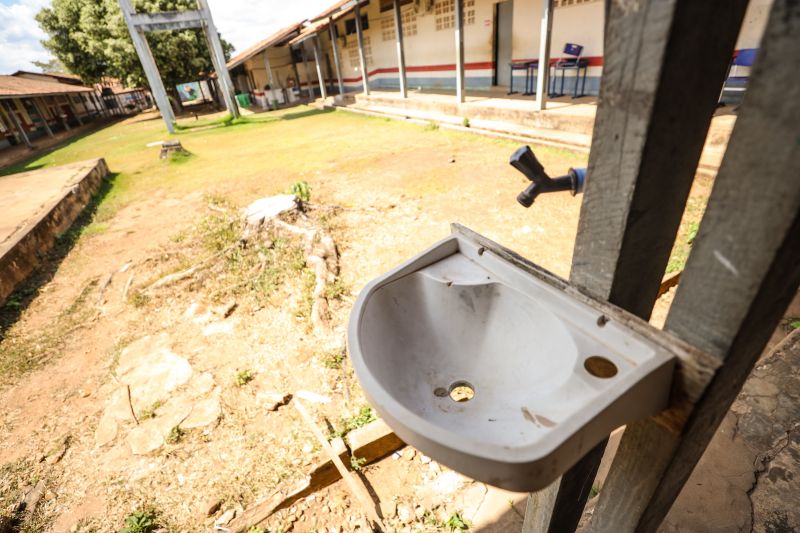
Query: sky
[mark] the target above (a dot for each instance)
(241, 22)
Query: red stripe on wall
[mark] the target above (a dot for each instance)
(595, 61)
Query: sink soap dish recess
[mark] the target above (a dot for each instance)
(498, 369)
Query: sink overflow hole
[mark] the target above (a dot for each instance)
(600, 367)
(461, 391)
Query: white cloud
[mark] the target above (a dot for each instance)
(241, 22)
(245, 22)
(20, 35)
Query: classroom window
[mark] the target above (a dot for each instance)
(408, 17)
(565, 3)
(352, 52)
(445, 13)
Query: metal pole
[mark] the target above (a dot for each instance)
(42, 117)
(218, 59)
(361, 57)
(149, 67)
(18, 125)
(401, 56)
(296, 74)
(310, 90)
(335, 47)
(542, 80)
(320, 76)
(459, 15)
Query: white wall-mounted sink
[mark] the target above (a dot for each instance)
(493, 368)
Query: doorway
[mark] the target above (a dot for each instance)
(503, 22)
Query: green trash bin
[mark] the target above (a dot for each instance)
(243, 99)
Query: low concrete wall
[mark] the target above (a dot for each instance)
(20, 257)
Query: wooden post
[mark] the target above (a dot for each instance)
(335, 47)
(743, 271)
(543, 70)
(401, 56)
(649, 132)
(42, 116)
(320, 76)
(13, 116)
(361, 56)
(459, 34)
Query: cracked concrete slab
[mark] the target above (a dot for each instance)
(749, 477)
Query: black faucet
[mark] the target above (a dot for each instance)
(524, 161)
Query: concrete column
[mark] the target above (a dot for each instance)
(401, 56)
(361, 57)
(335, 47)
(542, 80)
(459, 33)
(320, 76)
(268, 67)
(218, 59)
(149, 66)
(42, 116)
(310, 91)
(296, 71)
(13, 116)
(74, 109)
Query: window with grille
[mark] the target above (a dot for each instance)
(445, 13)
(408, 18)
(352, 52)
(565, 3)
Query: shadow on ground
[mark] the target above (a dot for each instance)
(20, 299)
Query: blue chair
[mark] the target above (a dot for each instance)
(745, 57)
(576, 63)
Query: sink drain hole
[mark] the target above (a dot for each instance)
(600, 367)
(461, 391)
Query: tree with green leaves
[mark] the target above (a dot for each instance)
(91, 39)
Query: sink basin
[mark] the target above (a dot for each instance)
(498, 369)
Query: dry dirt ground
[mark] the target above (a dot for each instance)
(199, 368)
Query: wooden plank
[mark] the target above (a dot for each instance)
(356, 488)
(664, 63)
(742, 274)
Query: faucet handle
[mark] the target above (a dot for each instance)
(525, 161)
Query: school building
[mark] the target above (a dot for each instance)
(497, 42)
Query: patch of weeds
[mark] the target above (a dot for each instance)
(243, 377)
(594, 492)
(335, 290)
(150, 412)
(179, 237)
(456, 522)
(255, 529)
(302, 190)
(691, 231)
(307, 302)
(357, 462)
(795, 323)
(20, 296)
(144, 521)
(219, 232)
(217, 200)
(179, 157)
(432, 126)
(364, 416)
(465, 122)
(333, 359)
(176, 434)
(138, 299)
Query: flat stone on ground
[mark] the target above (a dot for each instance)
(204, 413)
